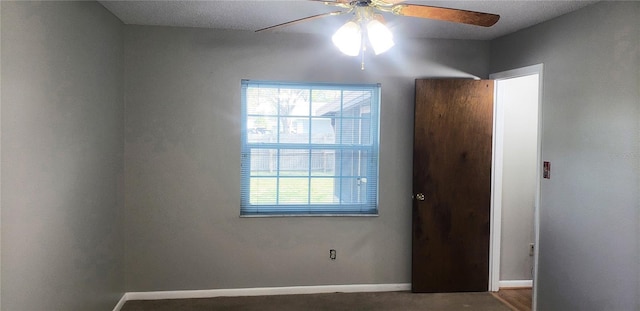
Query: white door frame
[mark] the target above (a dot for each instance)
(496, 178)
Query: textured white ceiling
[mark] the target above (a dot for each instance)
(257, 14)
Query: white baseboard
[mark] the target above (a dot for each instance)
(120, 304)
(516, 283)
(261, 291)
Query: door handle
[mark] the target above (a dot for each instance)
(420, 196)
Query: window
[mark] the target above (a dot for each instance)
(309, 149)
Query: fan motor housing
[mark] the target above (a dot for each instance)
(361, 3)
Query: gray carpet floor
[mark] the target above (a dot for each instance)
(378, 301)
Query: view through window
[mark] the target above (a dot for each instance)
(309, 148)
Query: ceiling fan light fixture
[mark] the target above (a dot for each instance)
(380, 37)
(348, 38)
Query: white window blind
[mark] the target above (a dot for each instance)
(309, 148)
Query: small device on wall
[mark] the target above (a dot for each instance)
(546, 170)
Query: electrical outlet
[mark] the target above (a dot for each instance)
(531, 249)
(332, 254)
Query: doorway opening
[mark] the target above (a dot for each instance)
(516, 178)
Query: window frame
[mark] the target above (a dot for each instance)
(368, 208)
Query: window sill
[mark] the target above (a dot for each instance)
(307, 215)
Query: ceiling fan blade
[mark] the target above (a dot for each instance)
(304, 19)
(446, 14)
(338, 3)
(386, 2)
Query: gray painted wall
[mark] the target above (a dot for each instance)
(62, 156)
(182, 145)
(589, 221)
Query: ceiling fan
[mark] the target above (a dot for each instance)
(400, 8)
(350, 38)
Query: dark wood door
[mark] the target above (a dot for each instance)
(452, 185)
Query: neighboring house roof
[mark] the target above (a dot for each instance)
(349, 99)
